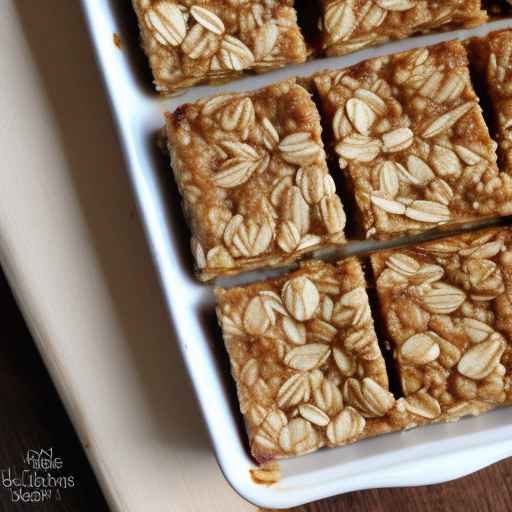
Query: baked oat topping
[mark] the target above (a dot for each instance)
(409, 132)
(447, 312)
(306, 362)
(305, 358)
(189, 41)
(349, 25)
(251, 169)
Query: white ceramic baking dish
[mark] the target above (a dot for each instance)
(418, 457)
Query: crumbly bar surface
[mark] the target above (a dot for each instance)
(251, 170)
(492, 58)
(448, 313)
(349, 25)
(409, 133)
(305, 358)
(191, 41)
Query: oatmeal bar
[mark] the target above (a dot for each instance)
(306, 362)
(448, 313)
(215, 40)
(492, 60)
(349, 25)
(409, 133)
(251, 169)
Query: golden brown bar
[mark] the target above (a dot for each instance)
(251, 169)
(448, 313)
(410, 136)
(349, 25)
(306, 362)
(189, 42)
(492, 60)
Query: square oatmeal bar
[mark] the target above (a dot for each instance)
(410, 136)
(447, 309)
(492, 61)
(192, 41)
(306, 362)
(349, 25)
(252, 173)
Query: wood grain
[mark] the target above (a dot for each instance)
(32, 417)
(486, 490)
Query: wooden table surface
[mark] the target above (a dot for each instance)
(33, 417)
